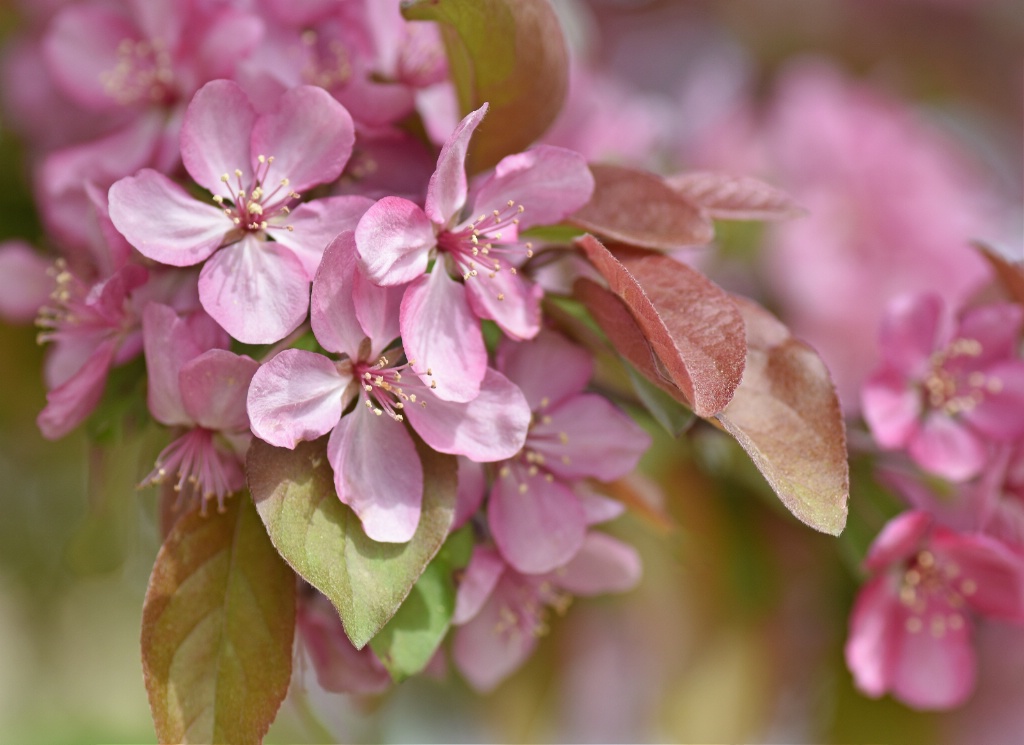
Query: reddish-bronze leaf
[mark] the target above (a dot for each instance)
(510, 53)
(640, 209)
(786, 415)
(727, 197)
(1010, 274)
(217, 628)
(691, 326)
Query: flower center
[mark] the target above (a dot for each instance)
(72, 315)
(255, 209)
(933, 591)
(488, 245)
(384, 391)
(526, 608)
(328, 63)
(950, 387)
(142, 72)
(541, 444)
(203, 471)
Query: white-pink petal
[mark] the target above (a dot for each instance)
(510, 300)
(603, 564)
(215, 137)
(332, 310)
(548, 369)
(214, 387)
(315, 224)
(446, 192)
(393, 240)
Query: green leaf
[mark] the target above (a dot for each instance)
(410, 639)
(323, 540)
(668, 412)
(217, 629)
(510, 53)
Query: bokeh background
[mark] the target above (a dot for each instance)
(897, 123)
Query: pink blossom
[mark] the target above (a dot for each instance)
(947, 389)
(25, 283)
(300, 395)
(910, 631)
(440, 315)
(195, 384)
(535, 513)
(259, 254)
(501, 613)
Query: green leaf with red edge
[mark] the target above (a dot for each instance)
(690, 325)
(323, 540)
(509, 53)
(786, 415)
(640, 209)
(726, 197)
(217, 628)
(1009, 274)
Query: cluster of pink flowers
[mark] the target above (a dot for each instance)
(218, 180)
(947, 407)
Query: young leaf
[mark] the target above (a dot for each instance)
(217, 628)
(639, 209)
(510, 53)
(786, 415)
(726, 197)
(665, 409)
(692, 326)
(323, 540)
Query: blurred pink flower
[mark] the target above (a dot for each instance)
(25, 281)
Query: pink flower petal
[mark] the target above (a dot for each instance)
(997, 326)
(214, 386)
(332, 310)
(393, 239)
(538, 525)
(547, 369)
(25, 284)
(549, 182)
(989, 575)
(310, 137)
(478, 582)
(257, 290)
(446, 193)
(901, 537)
(597, 507)
(947, 448)
(934, 672)
(215, 136)
(913, 327)
(509, 300)
(470, 493)
(340, 667)
(875, 632)
(586, 436)
(168, 345)
(316, 223)
(442, 336)
(163, 222)
(377, 473)
(892, 408)
(378, 310)
(70, 404)
(1000, 413)
(489, 428)
(602, 565)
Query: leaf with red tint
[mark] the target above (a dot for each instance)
(510, 53)
(726, 197)
(690, 325)
(638, 208)
(786, 415)
(217, 628)
(1009, 273)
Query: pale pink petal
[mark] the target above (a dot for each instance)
(168, 344)
(547, 369)
(947, 448)
(603, 564)
(486, 650)
(163, 222)
(478, 582)
(315, 224)
(586, 436)
(215, 136)
(25, 284)
(934, 672)
(899, 539)
(997, 326)
(875, 632)
(394, 239)
(1000, 413)
(214, 386)
(340, 667)
(538, 525)
(257, 290)
(489, 428)
(596, 507)
(442, 336)
(549, 182)
(510, 300)
(989, 576)
(70, 404)
(470, 493)
(377, 473)
(228, 37)
(446, 193)
(80, 49)
(332, 310)
(112, 251)
(892, 408)
(910, 331)
(294, 397)
(378, 310)
(310, 137)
